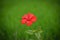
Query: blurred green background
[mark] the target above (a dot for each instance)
(46, 11)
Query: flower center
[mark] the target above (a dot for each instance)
(28, 18)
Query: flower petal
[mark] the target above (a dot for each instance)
(23, 21)
(29, 23)
(33, 19)
(25, 16)
(30, 15)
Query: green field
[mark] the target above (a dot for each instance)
(46, 11)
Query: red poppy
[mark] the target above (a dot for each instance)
(28, 19)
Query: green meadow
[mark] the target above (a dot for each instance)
(46, 11)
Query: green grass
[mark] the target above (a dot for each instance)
(47, 17)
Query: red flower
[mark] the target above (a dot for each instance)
(28, 19)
